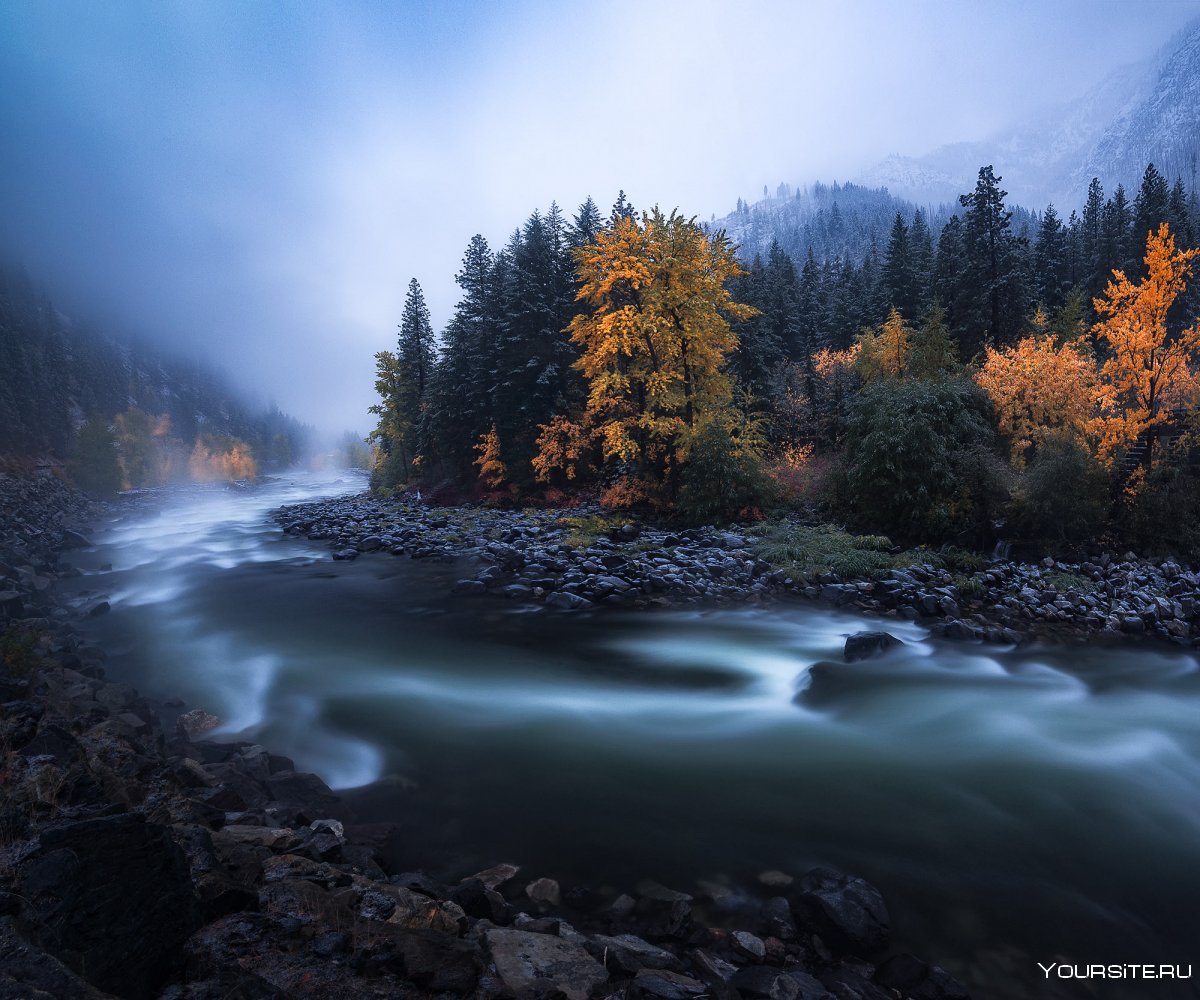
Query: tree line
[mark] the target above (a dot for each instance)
(122, 414)
(925, 391)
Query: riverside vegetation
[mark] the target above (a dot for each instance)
(974, 384)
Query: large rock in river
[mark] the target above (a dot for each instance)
(864, 645)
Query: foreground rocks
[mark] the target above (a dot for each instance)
(139, 863)
(536, 557)
(143, 862)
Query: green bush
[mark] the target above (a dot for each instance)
(921, 461)
(1164, 516)
(721, 482)
(1063, 496)
(92, 464)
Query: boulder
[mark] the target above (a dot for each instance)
(864, 645)
(113, 899)
(848, 912)
(26, 973)
(539, 965)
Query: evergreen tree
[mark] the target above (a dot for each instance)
(899, 281)
(1051, 270)
(994, 293)
(1114, 236)
(1092, 238)
(622, 209)
(920, 243)
(586, 224)
(1150, 210)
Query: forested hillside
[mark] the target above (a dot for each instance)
(121, 413)
(1038, 380)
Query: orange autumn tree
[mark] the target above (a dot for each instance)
(1039, 390)
(492, 469)
(653, 344)
(1148, 372)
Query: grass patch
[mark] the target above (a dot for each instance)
(970, 588)
(1063, 581)
(955, 560)
(805, 551)
(583, 530)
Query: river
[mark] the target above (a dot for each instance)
(1014, 806)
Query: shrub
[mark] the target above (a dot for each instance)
(1163, 517)
(721, 481)
(805, 551)
(921, 459)
(93, 465)
(1063, 496)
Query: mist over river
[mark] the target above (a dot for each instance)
(1015, 806)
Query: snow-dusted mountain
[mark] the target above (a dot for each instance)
(1146, 112)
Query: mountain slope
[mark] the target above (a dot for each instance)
(1146, 112)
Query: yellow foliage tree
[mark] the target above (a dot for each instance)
(491, 468)
(1148, 373)
(1039, 390)
(654, 342)
(884, 353)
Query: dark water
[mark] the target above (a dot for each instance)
(1015, 806)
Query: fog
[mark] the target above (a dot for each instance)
(256, 183)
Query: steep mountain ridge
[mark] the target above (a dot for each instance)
(1144, 112)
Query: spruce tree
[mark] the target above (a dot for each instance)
(899, 282)
(994, 290)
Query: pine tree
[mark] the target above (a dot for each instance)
(1092, 238)
(623, 209)
(899, 281)
(1050, 260)
(1150, 210)
(586, 224)
(920, 242)
(994, 290)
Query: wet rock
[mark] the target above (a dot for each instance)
(304, 792)
(544, 890)
(113, 899)
(760, 982)
(539, 965)
(196, 723)
(919, 980)
(848, 912)
(565, 601)
(863, 645)
(628, 953)
(749, 945)
(668, 985)
(28, 973)
(438, 962)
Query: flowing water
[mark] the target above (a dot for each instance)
(1015, 806)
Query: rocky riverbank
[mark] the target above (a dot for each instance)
(141, 861)
(561, 561)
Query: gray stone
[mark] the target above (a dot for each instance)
(863, 645)
(531, 964)
(668, 985)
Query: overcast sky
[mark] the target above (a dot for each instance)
(257, 182)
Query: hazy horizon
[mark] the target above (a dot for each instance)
(256, 184)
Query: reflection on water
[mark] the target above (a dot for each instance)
(1015, 805)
